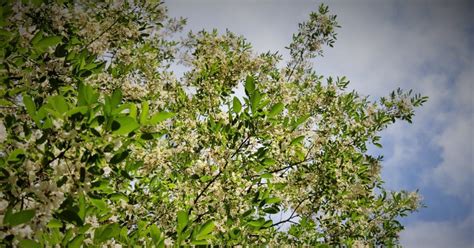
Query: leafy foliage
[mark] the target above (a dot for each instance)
(103, 145)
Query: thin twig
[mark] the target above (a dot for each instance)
(306, 159)
(292, 216)
(300, 59)
(288, 167)
(107, 29)
(216, 176)
(9, 107)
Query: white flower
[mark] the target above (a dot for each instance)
(359, 244)
(107, 171)
(3, 205)
(114, 218)
(168, 242)
(93, 221)
(24, 231)
(3, 132)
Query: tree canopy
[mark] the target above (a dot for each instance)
(104, 145)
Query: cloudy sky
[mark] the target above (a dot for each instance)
(382, 45)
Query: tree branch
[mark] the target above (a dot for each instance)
(9, 107)
(306, 159)
(292, 216)
(106, 30)
(300, 59)
(289, 166)
(216, 176)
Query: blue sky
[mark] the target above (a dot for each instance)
(382, 45)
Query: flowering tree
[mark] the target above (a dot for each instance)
(102, 144)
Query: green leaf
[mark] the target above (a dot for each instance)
(60, 51)
(112, 101)
(87, 95)
(134, 165)
(77, 241)
(297, 140)
(248, 213)
(116, 98)
(29, 105)
(49, 109)
(272, 200)
(124, 125)
(205, 178)
(99, 203)
(266, 176)
(119, 157)
(155, 234)
(279, 186)
(67, 236)
(28, 243)
(276, 109)
(84, 229)
(121, 109)
(59, 104)
(271, 210)
(255, 223)
(183, 219)
(47, 42)
(16, 155)
(300, 154)
(54, 223)
(249, 85)
(82, 207)
(14, 219)
(159, 117)
(205, 229)
(38, 36)
(300, 121)
(236, 105)
(106, 232)
(255, 101)
(103, 186)
(199, 242)
(6, 35)
(70, 216)
(269, 161)
(75, 110)
(267, 223)
(144, 112)
(147, 136)
(118, 196)
(133, 110)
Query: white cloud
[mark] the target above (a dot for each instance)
(420, 46)
(455, 175)
(439, 234)
(405, 138)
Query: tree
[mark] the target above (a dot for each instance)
(104, 145)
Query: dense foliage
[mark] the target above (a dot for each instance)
(102, 145)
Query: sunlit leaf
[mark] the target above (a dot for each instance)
(182, 220)
(159, 117)
(28, 243)
(205, 229)
(236, 105)
(249, 85)
(47, 42)
(276, 109)
(124, 125)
